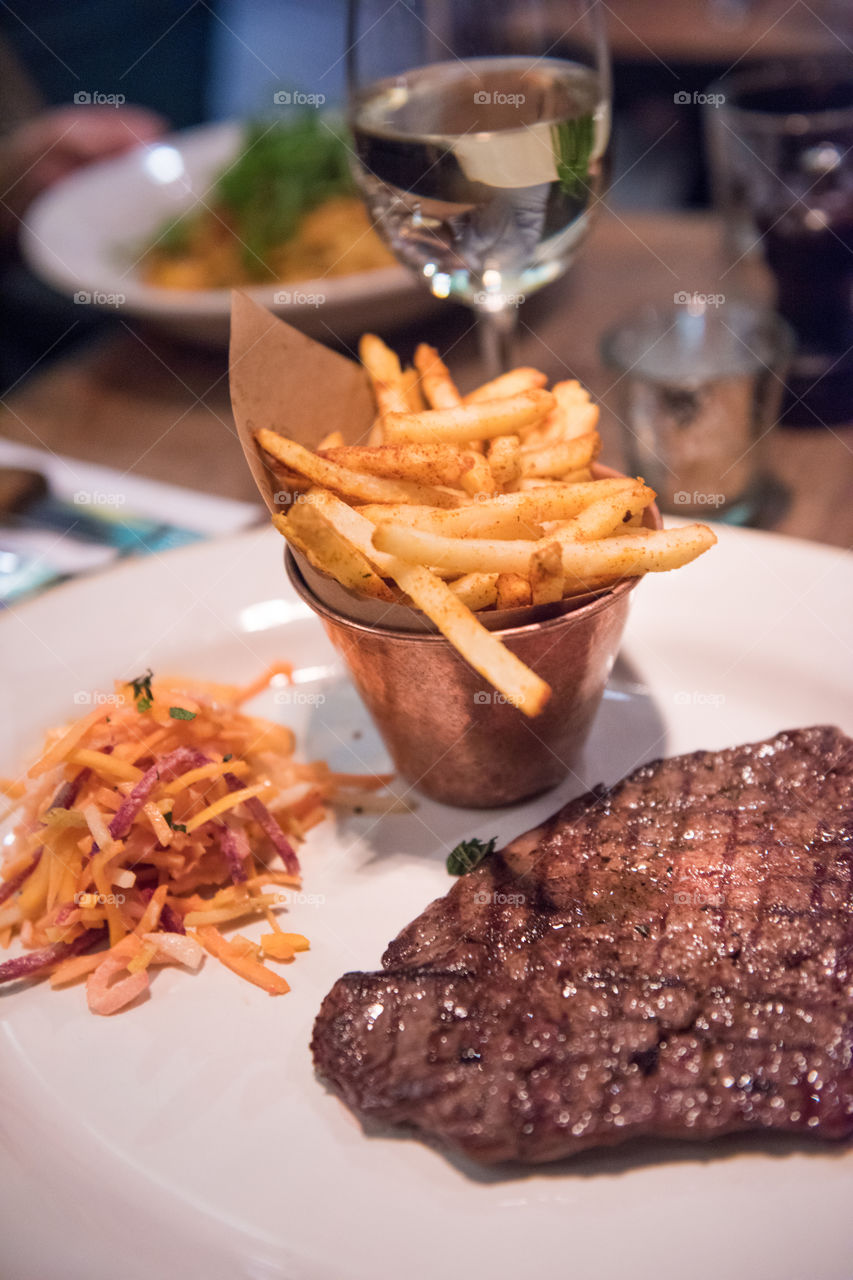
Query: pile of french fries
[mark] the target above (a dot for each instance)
(460, 504)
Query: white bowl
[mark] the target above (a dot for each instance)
(85, 236)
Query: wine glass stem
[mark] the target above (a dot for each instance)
(496, 330)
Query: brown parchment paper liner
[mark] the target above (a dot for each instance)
(284, 381)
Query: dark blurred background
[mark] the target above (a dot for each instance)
(201, 61)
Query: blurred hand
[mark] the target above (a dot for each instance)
(62, 139)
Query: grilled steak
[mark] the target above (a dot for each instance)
(670, 957)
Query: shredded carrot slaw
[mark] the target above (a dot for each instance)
(162, 815)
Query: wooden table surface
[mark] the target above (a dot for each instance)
(139, 401)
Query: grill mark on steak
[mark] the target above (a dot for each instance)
(671, 957)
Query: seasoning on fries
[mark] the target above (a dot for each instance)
(462, 504)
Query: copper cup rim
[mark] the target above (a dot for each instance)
(604, 600)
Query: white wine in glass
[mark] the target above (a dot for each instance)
(479, 151)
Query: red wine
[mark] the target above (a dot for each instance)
(797, 179)
(810, 252)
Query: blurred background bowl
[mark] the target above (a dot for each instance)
(85, 236)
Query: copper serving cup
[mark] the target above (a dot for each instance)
(449, 733)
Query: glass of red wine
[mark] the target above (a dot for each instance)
(480, 132)
(781, 143)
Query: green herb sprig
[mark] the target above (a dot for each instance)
(142, 691)
(181, 713)
(281, 172)
(468, 854)
(573, 141)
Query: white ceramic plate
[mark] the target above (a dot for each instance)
(85, 235)
(190, 1137)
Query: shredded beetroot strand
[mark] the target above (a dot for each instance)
(12, 886)
(170, 921)
(69, 791)
(64, 798)
(268, 824)
(67, 909)
(265, 820)
(235, 846)
(36, 962)
(171, 766)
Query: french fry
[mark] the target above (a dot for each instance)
(289, 480)
(465, 422)
(654, 551)
(553, 460)
(507, 384)
(546, 574)
(632, 555)
(328, 552)
(457, 554)
(575, 414)
(571, 477)
(479, 647)
(512, 591)
(542, 433)
(330, 475)
(475, 590)
(438, 387)
(407, 513)
(469, 504)
(385, 374)
(504, 460)
(485, 520)
(351, 525)
(592, 584)
(411, 380)
(506, 516)
(446, 464)
(334, 440)
(477, 478)
(605, 515)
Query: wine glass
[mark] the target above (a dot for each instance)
(480, 132)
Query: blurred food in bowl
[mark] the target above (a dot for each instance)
(283, 210)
